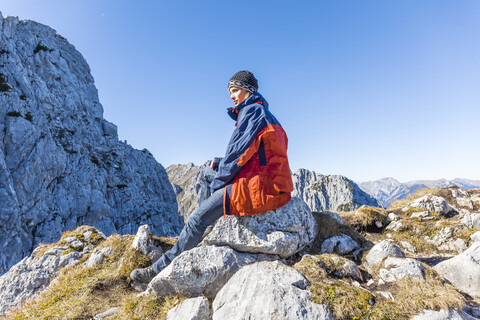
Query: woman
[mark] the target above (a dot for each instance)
(253, 177)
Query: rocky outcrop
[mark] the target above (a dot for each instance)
(399, 268)
(332, 192)
(61, 163)
(189, 188)
(200, 271)
(433, 204)
(463, 270)
(283, 232)
(267, 290)
(383, 250)
(35, 272)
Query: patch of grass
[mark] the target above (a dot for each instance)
(147, 307)
(345, 301)
(82, 292)
(465, 235)
(41, 47)
(364, 218)
(4, 87)
(349, 302)
(14, 114)
(29, 116)
(414, 230)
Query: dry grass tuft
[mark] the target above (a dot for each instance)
(80, 293)
(365, 218)
(349, 302)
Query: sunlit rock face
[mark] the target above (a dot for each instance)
(329, 192)
(61, 163)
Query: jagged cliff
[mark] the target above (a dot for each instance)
(61, 163)
(329, 192)
(188, 186)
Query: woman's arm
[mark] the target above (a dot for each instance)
(239, 149)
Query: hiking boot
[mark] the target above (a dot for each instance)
(144, 275)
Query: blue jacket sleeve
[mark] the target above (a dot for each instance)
(251, 122)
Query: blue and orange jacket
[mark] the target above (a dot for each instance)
(254, 172)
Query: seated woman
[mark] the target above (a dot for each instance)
(253, 177)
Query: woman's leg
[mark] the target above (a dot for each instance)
(207, 213)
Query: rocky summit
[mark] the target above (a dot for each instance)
(425, 267)
(61, 163)
(329, 192)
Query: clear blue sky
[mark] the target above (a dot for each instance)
(365, 89)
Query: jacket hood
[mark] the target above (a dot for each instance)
(254, 98)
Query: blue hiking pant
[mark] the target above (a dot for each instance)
(207, 213)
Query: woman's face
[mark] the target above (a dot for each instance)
(238, 95)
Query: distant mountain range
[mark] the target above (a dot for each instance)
(387, 190)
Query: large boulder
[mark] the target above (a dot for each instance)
(433, 204)
(190, 309)
(267, 290)
(61, 163)
(471, 220)
(200, 271)
(382, 250)
(33, 274)
(190, 187)
(283, 232)
(463, 270)
(339, 244)
(329, 192)
(399, 268)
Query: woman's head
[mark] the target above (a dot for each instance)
(242, 85)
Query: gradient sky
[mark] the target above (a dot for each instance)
(366, 89)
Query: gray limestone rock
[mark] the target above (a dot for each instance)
(346, 268)
(200, 271)
(190, 188)
(339, 244)
(399, 268)
(284, 231)
(143, 244)
(463, 270)
(394, 226)
(450, 314)
(33, 274)
(191, 309)
(332, 192)
(98, 256)
(475, 237)
(433, 204)
(382, 250)
(471, 220)
(392, 217)
(267, 290)
(109, 313)
(61, 163)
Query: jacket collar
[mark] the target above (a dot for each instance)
(254, 98)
